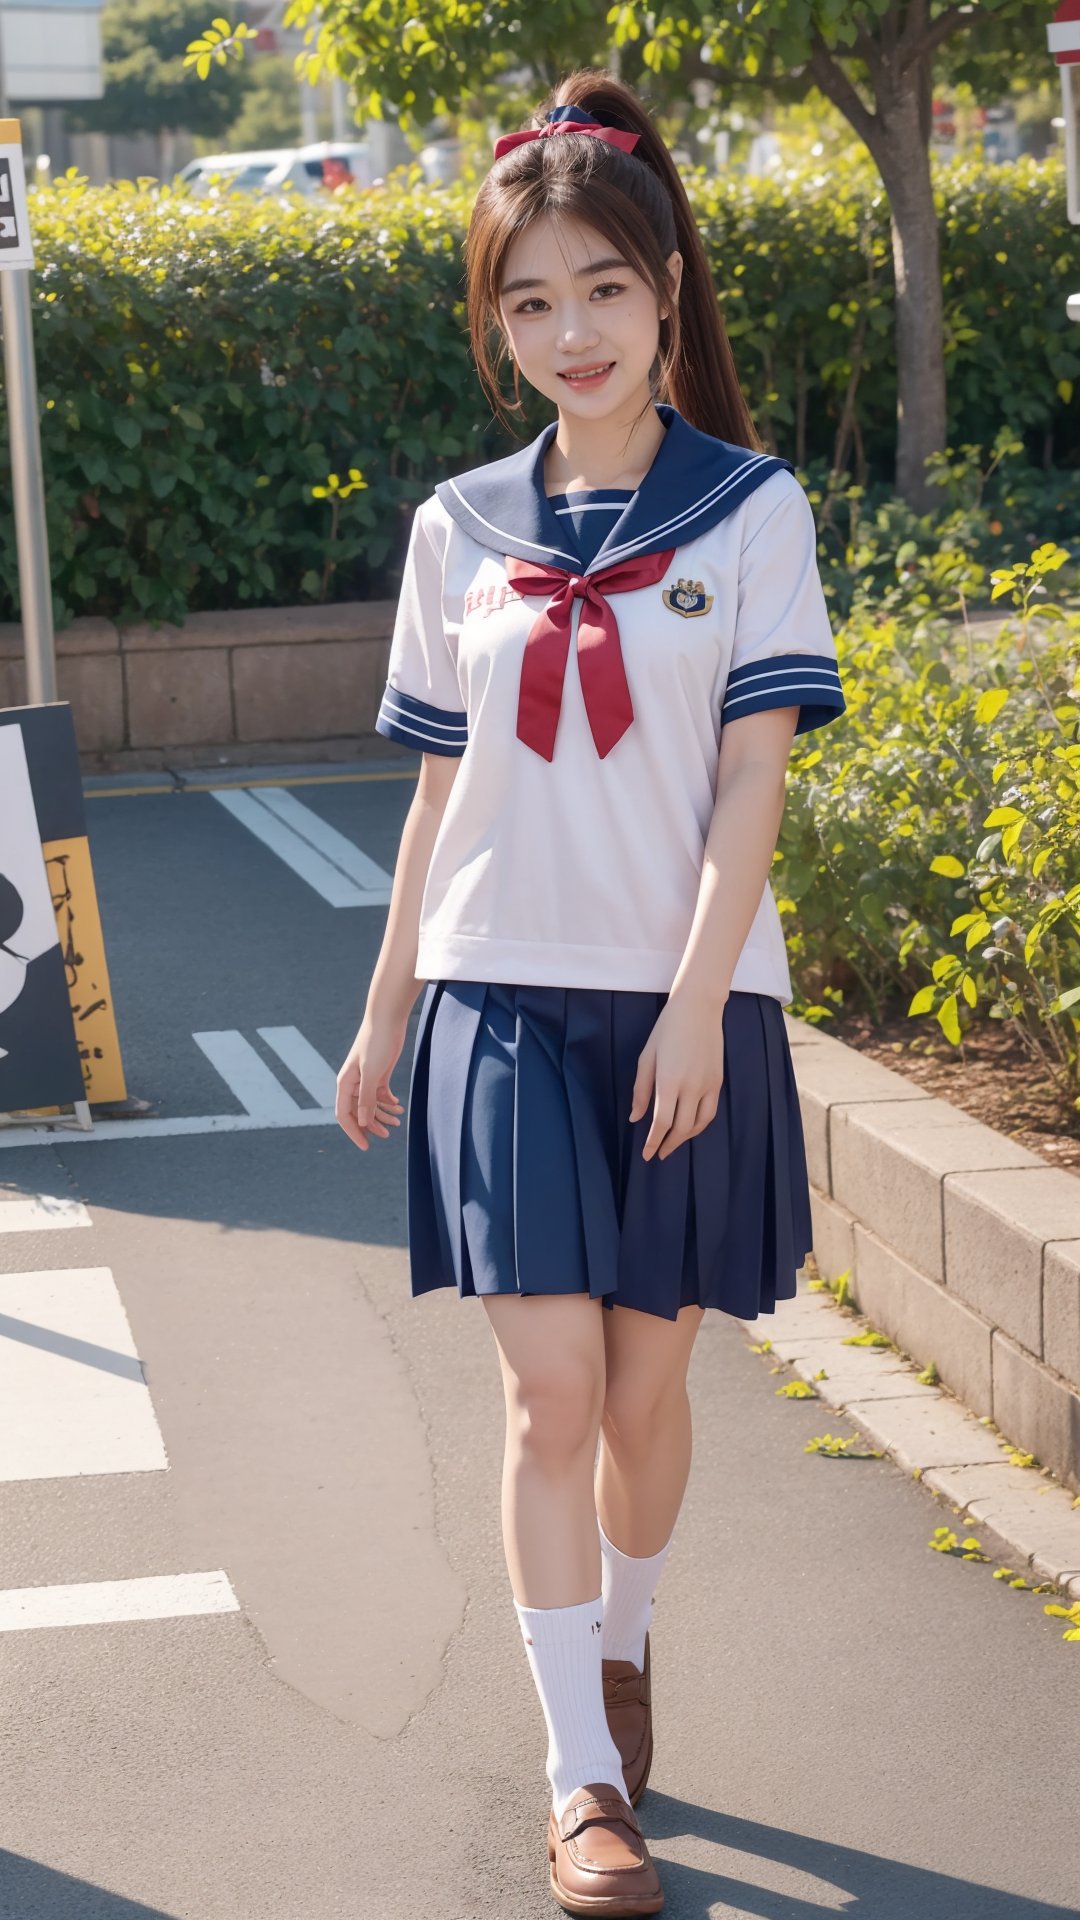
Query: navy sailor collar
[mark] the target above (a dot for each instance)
(694, 482)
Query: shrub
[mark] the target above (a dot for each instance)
(930, 851)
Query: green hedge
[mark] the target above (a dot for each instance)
(203, 366)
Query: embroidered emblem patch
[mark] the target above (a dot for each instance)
(687, 597)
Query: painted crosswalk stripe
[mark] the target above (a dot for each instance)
(176, 1126)
(327, 876)
(42, 1213)
(327, 840)
(71, 1384)
(89, 1603)
(304, 1061)
(257, 1088)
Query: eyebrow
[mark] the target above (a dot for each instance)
(594, 266)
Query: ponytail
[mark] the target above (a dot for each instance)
(698, 371)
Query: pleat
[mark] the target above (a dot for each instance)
(428, 1252)
(551, 1255)
(454, 1024)
(487, 1150)
(654, 1211)
(589, 1082)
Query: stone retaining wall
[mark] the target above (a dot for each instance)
(221, 680)
(962, 1246)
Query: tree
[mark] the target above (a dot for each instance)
(874, 59)
(147, 87)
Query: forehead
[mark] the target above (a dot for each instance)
(554, 249)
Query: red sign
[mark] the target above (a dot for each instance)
(1063, 33)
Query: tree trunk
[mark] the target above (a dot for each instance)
(903, 157)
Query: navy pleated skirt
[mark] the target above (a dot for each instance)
(525, 1174)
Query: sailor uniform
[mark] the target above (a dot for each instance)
(565, 872)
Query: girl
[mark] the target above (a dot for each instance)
(604, 1136)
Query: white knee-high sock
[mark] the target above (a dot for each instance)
(628, 1585)
(563, 1648)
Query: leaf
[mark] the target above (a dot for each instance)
(948, 864)
(989, 704)
(948, 1019)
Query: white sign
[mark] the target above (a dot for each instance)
(16, 247)
(51, 49)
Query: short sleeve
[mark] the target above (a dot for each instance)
(784, 653)
(421, 705)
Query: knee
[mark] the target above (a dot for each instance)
(557, 1411)
(636, 1412)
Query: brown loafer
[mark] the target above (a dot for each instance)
(599, 1860)
(628, 1704)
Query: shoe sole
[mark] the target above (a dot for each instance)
(604, 1903)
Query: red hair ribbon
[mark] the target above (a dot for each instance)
(599, 653)
(614, 136)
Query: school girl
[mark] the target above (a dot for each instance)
(604, 646)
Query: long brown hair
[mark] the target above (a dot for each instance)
(639, 204)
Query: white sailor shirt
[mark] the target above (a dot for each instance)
(576, 860)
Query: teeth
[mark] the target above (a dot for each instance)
(588, 374)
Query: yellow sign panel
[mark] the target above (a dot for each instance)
(71, 877)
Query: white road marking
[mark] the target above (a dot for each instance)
(163, 1129)
(327, 840)
(41, 1212)
(71, 1384)
(166, 1596)
(258, 1090)
(303, 1060)
(326, 876)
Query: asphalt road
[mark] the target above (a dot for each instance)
(343, 1724)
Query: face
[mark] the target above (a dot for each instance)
(582, 325)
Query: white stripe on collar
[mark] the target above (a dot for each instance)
(688, 513)
(503, 535)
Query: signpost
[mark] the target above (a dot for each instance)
(20, 382)
(1063, 38)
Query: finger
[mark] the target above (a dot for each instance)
(644, 1082)
(682, 1124)
(708, 1107)
(663, 1114)
(345, 1115)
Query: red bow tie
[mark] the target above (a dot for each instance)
(599, 654)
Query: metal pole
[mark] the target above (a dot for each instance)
(27, 484)
(35, 583)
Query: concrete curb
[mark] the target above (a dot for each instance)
(959, 1244)
(928, 1433)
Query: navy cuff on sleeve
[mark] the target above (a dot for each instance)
(809, 681)
(416, 724)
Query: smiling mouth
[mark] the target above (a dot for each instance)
(583, 374)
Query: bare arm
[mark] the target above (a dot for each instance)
(683, 1061)
(366, 1103)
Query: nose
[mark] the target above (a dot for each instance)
(578, 330)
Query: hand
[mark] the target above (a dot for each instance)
(366, 1103)
(683, 1063)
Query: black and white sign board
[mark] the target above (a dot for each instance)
(39, 1057)
(16, 248)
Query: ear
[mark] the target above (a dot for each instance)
(674, 264)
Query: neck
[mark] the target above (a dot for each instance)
(616, 451)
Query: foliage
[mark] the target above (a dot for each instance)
(147, 87)
(203, 365)
(930, 851)
(423, 56)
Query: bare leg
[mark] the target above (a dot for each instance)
(551, 1352)
(645, 1444)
